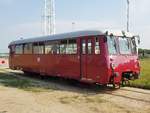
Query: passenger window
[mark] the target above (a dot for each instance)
(83, 47)
(27, 48)
(48, 48)
(97, 46)
(56, 49)
(38, 48)
(63, 46)
(19, 49)
(51, 48)
(71, 47)
(89, 46)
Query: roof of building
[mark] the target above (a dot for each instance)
(71, 35)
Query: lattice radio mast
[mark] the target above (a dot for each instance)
(49, 17)
(128, 14)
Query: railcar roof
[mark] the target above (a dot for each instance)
(70, 35)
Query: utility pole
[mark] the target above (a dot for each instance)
(49, 17)
(128, 14)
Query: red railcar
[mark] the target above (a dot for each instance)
(90, 56)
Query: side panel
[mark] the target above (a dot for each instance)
(67, 66)
(26, 62)
(90, 67)
(94, 66)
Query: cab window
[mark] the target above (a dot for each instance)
(19, 49)
(133, 45)
(112, 46)
(124, 45)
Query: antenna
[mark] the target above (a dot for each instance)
(49, 17)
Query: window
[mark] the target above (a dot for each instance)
(133, 45)
(19, 49)
(55, 48)
(51, 48)
(48, 48)
(124, 44)
(38, 48)
(83, 47)
(28, 48)
(12, 49)
(89, 46)
(71, 47)
(112, 47)
(97, 46)
(63, 46)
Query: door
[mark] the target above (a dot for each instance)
(87, 47)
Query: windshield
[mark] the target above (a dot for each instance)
(125, 45)
(122, 45)
(112, 46)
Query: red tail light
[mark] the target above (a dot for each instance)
(3, 62)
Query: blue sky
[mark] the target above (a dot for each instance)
(22, 18)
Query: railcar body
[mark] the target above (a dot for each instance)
(93, 56)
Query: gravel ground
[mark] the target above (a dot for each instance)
(59, 96)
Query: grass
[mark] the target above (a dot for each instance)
(144, 81)
(23, 83)
(14, 81)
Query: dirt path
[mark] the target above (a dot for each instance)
(57, 96)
